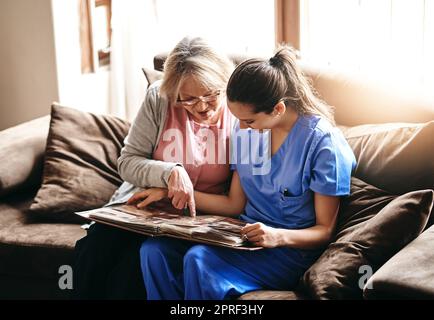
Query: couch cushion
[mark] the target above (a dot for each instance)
(273, 295)
(30, 248)
(359, 100)
(408, 274)
(21, 153)
(372, 227)
(152, 75)
(397, 157)
(80, 165)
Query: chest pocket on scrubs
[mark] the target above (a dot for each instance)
(297, 211)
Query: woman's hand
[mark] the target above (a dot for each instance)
(261, 235)
(181, 190)
(147, 196)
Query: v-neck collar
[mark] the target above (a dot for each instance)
(285, 141)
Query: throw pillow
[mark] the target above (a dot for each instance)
(396, 157)
(372, 226)
(152, 75)
(21, 152)
(409, 274)
(80, 164)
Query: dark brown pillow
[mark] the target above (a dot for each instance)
(372, 227)
(80, 164)
(21, 153)
(397, 157)
(409, 274)
(152, 75)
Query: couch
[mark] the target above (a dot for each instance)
(32, 250)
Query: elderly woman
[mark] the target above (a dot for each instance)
(178, 141)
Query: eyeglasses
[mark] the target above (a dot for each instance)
(210, 98)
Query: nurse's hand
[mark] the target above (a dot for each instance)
(181, 190)
(261, 235)
(144, 198)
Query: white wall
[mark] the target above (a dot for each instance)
(28, 81)
(40, 61)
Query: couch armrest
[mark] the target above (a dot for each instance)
(21, 155)
(408, 274)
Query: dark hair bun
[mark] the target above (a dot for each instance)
(275, 60)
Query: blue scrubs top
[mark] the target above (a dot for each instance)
(314, 157)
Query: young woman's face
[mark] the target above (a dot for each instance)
(203, 104)
(249, 119)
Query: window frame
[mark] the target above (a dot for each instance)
(92, 59)
(287, 22)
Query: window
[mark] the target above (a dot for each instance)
(393, 39)
(237, 26)
(287, 22)
(102, 30)
(95, 34)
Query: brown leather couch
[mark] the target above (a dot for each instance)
(32, 251)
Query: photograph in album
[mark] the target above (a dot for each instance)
(156, 221)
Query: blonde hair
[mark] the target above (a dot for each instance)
(195, 57)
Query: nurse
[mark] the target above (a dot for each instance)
(290, 203)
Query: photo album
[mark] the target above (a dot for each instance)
(155, 221)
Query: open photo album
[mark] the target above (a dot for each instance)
(154, 221)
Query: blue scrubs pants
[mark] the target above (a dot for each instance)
(175, 269)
